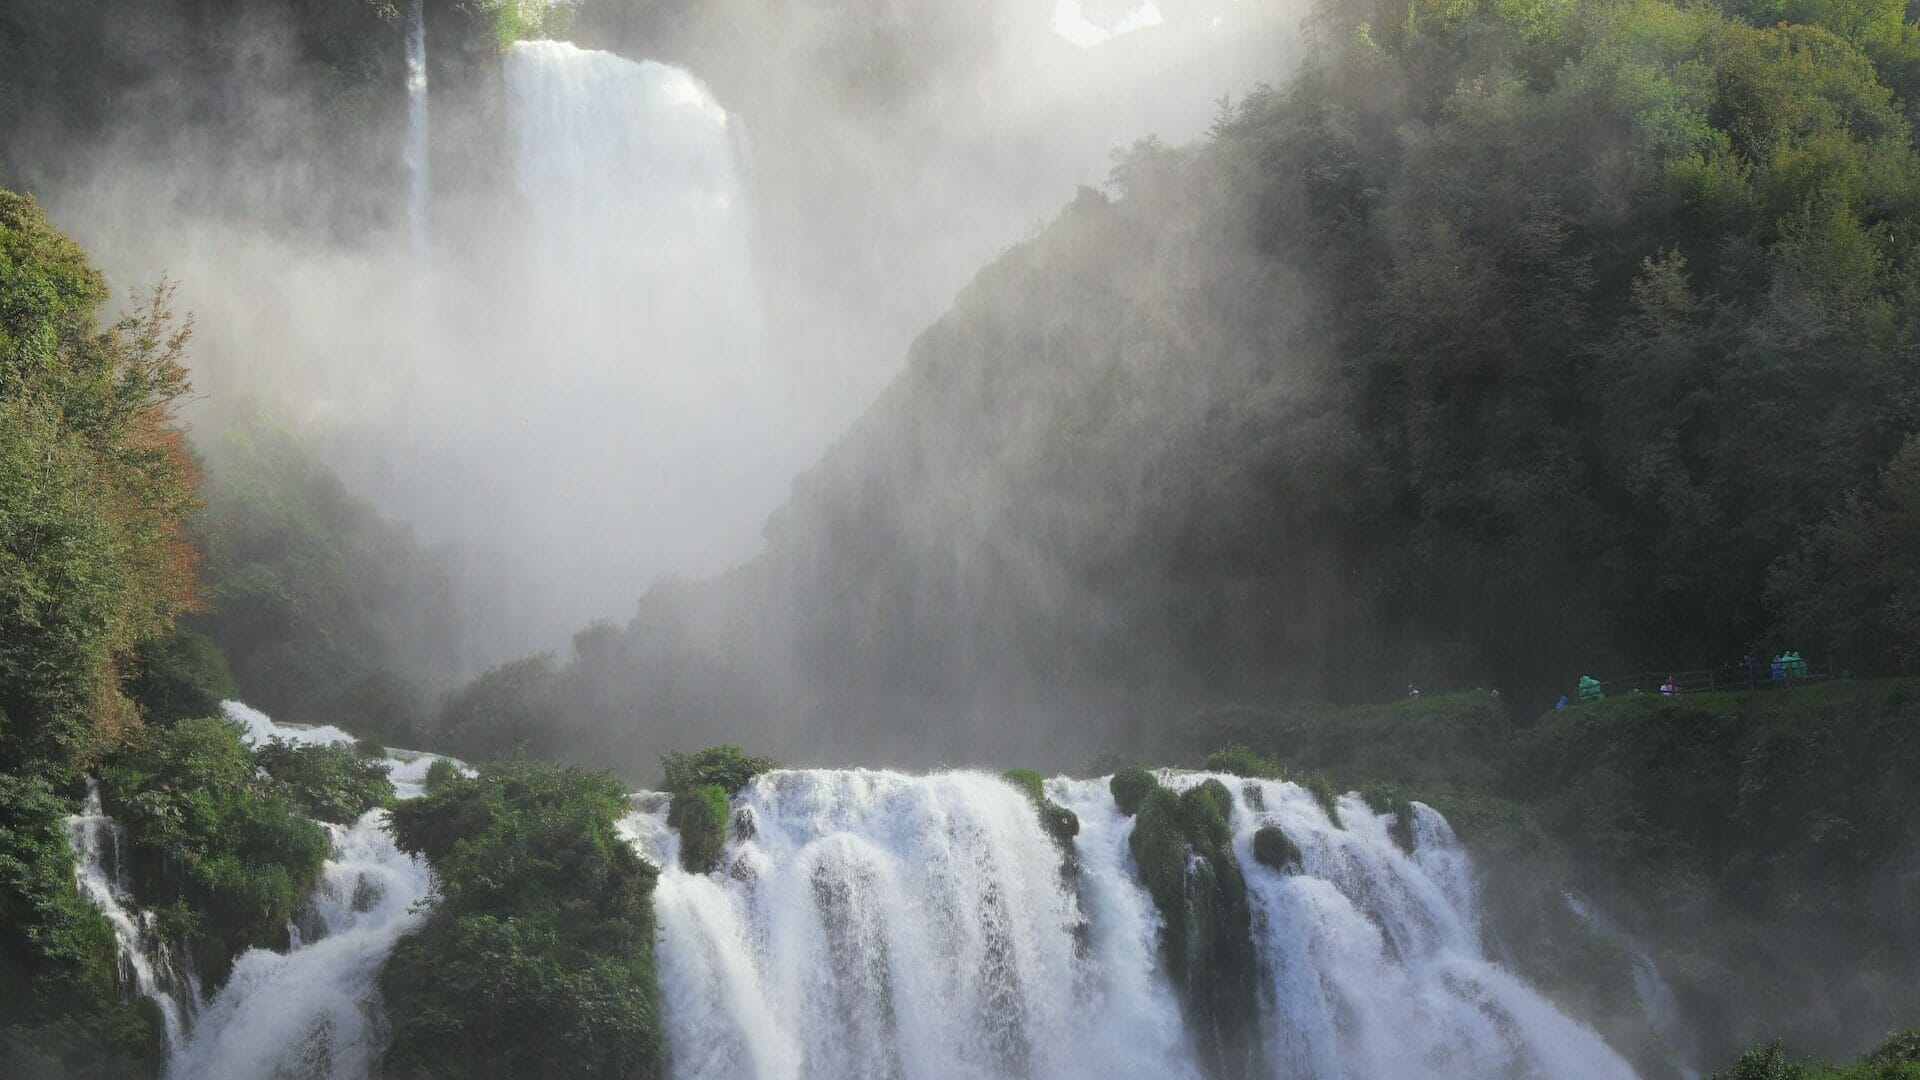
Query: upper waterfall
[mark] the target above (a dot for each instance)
(606, 371)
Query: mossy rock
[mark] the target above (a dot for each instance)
(701, 816)
(1324, 793)
(1205, 810)
(1390, 799)
(1182, 849)
(1130, 787)
(1059, 822)
(1274, 849)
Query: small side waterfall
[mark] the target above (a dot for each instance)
(313, 1012)
(145, 962)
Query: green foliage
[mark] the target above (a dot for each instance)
(179, 676)
(1131, 786)
(327, 781)
(1240, 761)
(731, 767)
(1896, 1059)
(538, 954)
(205, 832)
(1853, 588)
(701, 814)
(442, 773)
(94, 490)
(1273, 848)
(94, 569)
(509, 710)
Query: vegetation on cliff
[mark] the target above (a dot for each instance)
(539, 947)
(225, 854)
(95, 489)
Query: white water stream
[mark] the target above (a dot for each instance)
(877, 925)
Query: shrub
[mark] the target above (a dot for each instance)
(330, 782)
(537, 958)
(1273, 848)
(701, 816)
(205, 830)
(1240, 761)
(180, 676)
(729, 766)
(1130, 788)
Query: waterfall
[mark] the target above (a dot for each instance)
(419, 142)
(1374, 959)
(1656, 996)
(877, 925)
(873, 925)
(145, 961)
(313, 1011)
(619, 333)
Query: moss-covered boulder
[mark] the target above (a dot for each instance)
(1274, 849)
(701, 783)
(701, 816)
(1059, 822)
(1182, 846)
(1131, 786)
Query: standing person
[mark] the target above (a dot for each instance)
(1562, 703)
(1780, 671)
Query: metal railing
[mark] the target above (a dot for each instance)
(1736, 676)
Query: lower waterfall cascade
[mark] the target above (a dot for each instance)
(875, 925)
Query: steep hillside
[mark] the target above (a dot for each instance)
(1504, 342)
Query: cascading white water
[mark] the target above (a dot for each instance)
(419, 139)
(313, 1011)
(145, 960)
(612, 359)
(1374, 961)
(1656, 995)
(879, 925)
